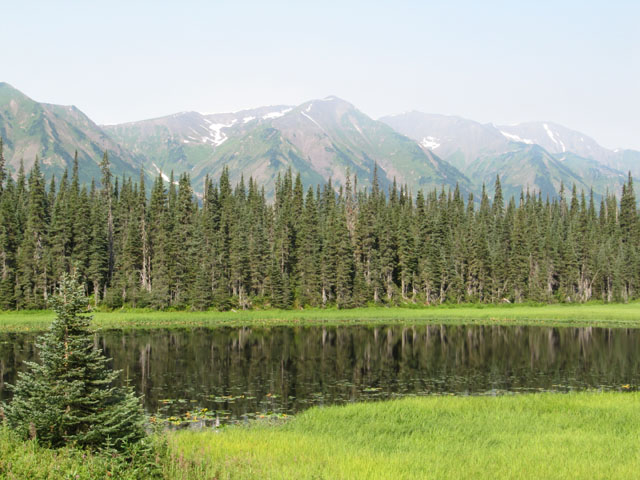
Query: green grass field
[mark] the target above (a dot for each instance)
(580, 435)
(596, 314)
(552, 436)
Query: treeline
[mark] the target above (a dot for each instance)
(232, 248)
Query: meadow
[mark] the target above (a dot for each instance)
(579, 315)
(578, 435)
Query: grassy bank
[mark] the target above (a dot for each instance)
(610, 315)
(578, 435)
(587, 435)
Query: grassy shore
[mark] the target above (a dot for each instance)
(586, 435)
(592, 314)
(577, 435)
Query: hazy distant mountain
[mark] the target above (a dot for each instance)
(321, 139)
(54, 133)
(555, 138)
(535, 155)
(457, 140)
(534, 168)
(626, 161)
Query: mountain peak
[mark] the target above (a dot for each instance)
(331, 100)
(5, 85)
(9, 91)
(331, 105)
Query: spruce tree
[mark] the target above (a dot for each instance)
(107, 198)
(32, 254)
(3, 172)
(70, 398)
(8, 245)
(98, 255)
(309, 266)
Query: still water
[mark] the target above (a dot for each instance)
(241, 373)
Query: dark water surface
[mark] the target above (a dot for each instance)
(239, 373)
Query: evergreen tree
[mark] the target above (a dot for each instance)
(160, 226)
(3, 173)
(333, 246)
(32, 275)
(8, 246)
(310, 246)
(107, 197)
(98, 268)
(344, 267)
(69, 398)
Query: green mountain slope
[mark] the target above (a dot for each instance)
(601, 178)
(54, 133)
(530, 167)
(626, 161)
(262, 154)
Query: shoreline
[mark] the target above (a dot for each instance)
(553, 315)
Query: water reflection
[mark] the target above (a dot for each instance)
(239, 372)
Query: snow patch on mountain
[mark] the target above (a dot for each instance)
(430, 142)
(357, 127)
(320, 126)
(248, 119)
(553, 138)
(162, 174)
(278, 114)
(516, 138)
(219, 137)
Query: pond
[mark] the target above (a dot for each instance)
(240, 373)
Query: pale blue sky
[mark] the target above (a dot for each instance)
(572, 62)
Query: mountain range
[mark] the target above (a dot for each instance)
(320, 139)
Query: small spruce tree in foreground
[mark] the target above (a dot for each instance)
(70, 398)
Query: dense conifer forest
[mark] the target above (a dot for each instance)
(162, 246)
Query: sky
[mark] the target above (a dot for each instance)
(576, 63)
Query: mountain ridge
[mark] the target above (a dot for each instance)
(322, 139)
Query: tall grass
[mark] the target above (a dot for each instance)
(578, 435)
(27, 460)
(596, 314)
(583, 435)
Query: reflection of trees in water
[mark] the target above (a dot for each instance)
(305, 365)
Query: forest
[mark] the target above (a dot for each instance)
(234, 247)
